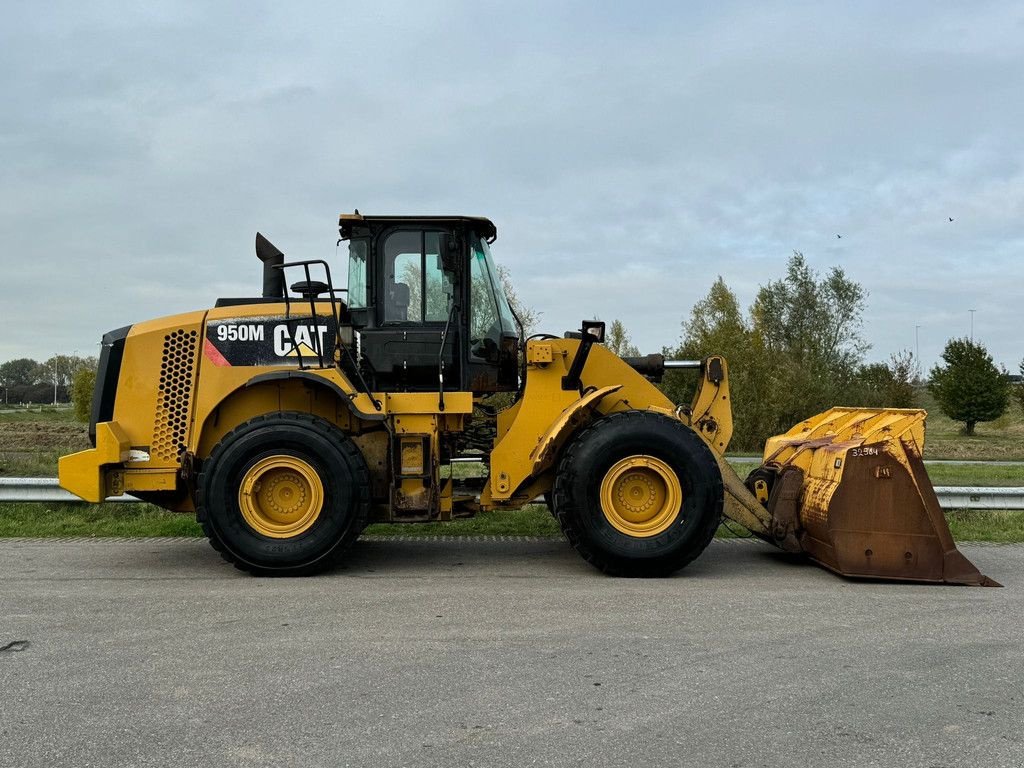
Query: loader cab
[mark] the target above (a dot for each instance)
(424, 296)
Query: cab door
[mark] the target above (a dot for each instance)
(415, 298)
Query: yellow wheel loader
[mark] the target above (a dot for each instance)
(290, 421)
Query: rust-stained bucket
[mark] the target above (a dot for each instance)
(866, 507)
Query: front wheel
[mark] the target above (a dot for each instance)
(638, 494)
(283, 494)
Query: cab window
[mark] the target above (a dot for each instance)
(416, 289)
(358, 250)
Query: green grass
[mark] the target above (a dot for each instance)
(47, 413)
(145, 521)
(1005, 526)
(28, 463)
(983, 475)
(99, 520)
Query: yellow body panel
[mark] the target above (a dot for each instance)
(821, 445)
(532, 431)
(178, 396)
(83, 473)
(155, 389)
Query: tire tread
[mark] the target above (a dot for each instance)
(564, 508)
(327, 430)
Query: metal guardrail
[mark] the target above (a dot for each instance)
(966, 497)
(46, 489)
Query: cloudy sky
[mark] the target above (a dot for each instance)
(628, 154)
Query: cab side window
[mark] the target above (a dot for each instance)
(357, 257)
(416, 289)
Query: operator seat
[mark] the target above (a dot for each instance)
(396, 307)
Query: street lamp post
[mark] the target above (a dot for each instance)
(917, 349)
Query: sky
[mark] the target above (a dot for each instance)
(628, 153)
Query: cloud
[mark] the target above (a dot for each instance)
(628, 158)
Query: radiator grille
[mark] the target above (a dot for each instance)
(174, 395)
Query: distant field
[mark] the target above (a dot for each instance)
(31, 441)
(1000, 440)
(12, 413)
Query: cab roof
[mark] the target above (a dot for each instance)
(483, 227)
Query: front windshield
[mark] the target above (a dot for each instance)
(489, 315)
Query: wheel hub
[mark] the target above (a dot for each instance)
(641, 496)
(280, 496)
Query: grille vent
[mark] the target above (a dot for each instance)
(174, 395)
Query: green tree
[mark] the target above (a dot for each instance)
(527, 315)
(617, 340)
(810, 328)
(798, 351)
(716, 326)
(82, 387)
(888, 384)
(17, 375)
(481, 310)
(59, 370)
(1018, 390)
(969, 387)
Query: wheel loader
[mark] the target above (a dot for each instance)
(288, 422)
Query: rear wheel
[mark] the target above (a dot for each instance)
(638, 494)
(283, 494)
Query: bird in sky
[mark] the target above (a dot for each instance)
(950, 218)
(839, 237)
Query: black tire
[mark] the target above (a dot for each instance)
(549, 501)
(336, 462)
(596, 450)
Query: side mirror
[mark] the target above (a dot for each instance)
(451, 251)
(594, 328)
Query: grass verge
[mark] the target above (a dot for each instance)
(997, 525)
(145, 521)
(99, 520)
(47, 413)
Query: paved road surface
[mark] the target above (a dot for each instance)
(491, 653)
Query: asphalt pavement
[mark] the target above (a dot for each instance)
(499, 653)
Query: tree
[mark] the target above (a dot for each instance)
(798, 351)
(82, 387)
(527, 315)
(1019, 389)
(481, 310)
(17, 375)
(617, 340)
(969, 387)
(59, 370)
(810, 328)
(716, 326)
(889, 384)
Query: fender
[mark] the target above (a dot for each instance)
(321, 380)
(511, 465)
(547, 448)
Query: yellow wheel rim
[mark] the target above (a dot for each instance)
(281, 496)
(641, 496)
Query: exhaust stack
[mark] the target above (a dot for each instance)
(272, 258)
